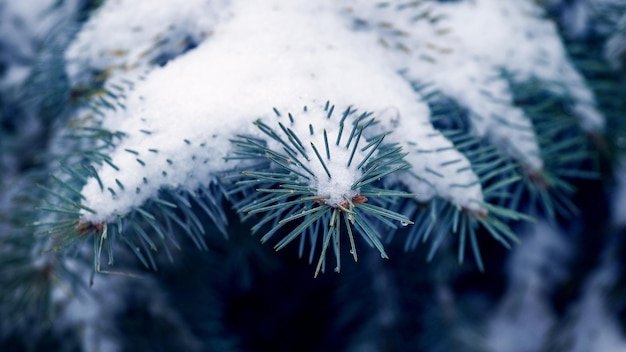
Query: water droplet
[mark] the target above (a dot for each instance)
(336, 269)
(404, 223)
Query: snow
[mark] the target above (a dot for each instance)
(524, 318)
(615, 46)
(268, 55)
(125, 35)
(528, 46)
(343, 174)
(594, 328)
(25, 25)
(91, 312)
(464, 47)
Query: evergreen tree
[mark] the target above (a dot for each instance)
(312, 175)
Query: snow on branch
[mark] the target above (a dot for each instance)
(127, 35)
(471, 51)
(179, 120)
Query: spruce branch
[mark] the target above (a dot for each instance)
(566, 149)
(327, 190)
(439, 218)
(143, 176)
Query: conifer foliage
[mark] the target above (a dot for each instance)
(150, 149)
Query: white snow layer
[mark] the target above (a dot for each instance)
(523, 319)
(594, 327)
(125, 35)
(269, 54)
(463, 48)
(515, 36)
